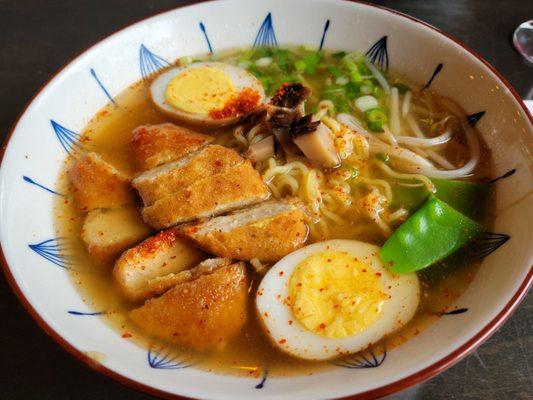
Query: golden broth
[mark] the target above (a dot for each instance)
(250, 353)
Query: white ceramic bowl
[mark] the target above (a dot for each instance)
(38, 144)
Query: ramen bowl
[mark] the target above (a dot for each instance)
(47, 130)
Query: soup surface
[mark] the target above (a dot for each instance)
(359, 199)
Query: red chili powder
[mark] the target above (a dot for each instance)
(241, 104)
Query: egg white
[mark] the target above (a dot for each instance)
(240, 78)
(296, 340)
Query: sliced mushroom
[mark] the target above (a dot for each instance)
(261, 150)
(253, 118)
(276, 119)
(315, 140)
(290, 95)
(280, 120)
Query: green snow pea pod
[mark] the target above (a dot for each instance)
(429, 235)
(409, 197)
(466, 197)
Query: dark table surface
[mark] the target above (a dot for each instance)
(38, 37)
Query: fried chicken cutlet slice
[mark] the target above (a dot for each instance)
(202, 313)
(267, 231)
(154, 145)
(236, 187)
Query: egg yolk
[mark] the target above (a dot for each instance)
(199, 90)
(335, 295)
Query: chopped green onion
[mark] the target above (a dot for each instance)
(355, 76)
(245, 56)
(268, 83)
(375, 119)
(375, 126)
(339, 54)
(383, 157)
(342, 106)
(311, 62)
(334, 71)
(333, 89)
(285, 79)
(354, 173)
(300, 66)
(349, 65)
(368, 83)
(307, 47)
(261, 52)
(377, 91)
(353, 90)
(365, 89)
(185, 60)
(282, 60)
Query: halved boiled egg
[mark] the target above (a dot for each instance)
(334, 298)
(207, 93)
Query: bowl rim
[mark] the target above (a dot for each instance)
(418, 377)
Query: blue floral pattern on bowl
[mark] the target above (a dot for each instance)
(266, 37)
(150, 63)
(370, 358)
(160, 359)
(68, 139)
(54, 250)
